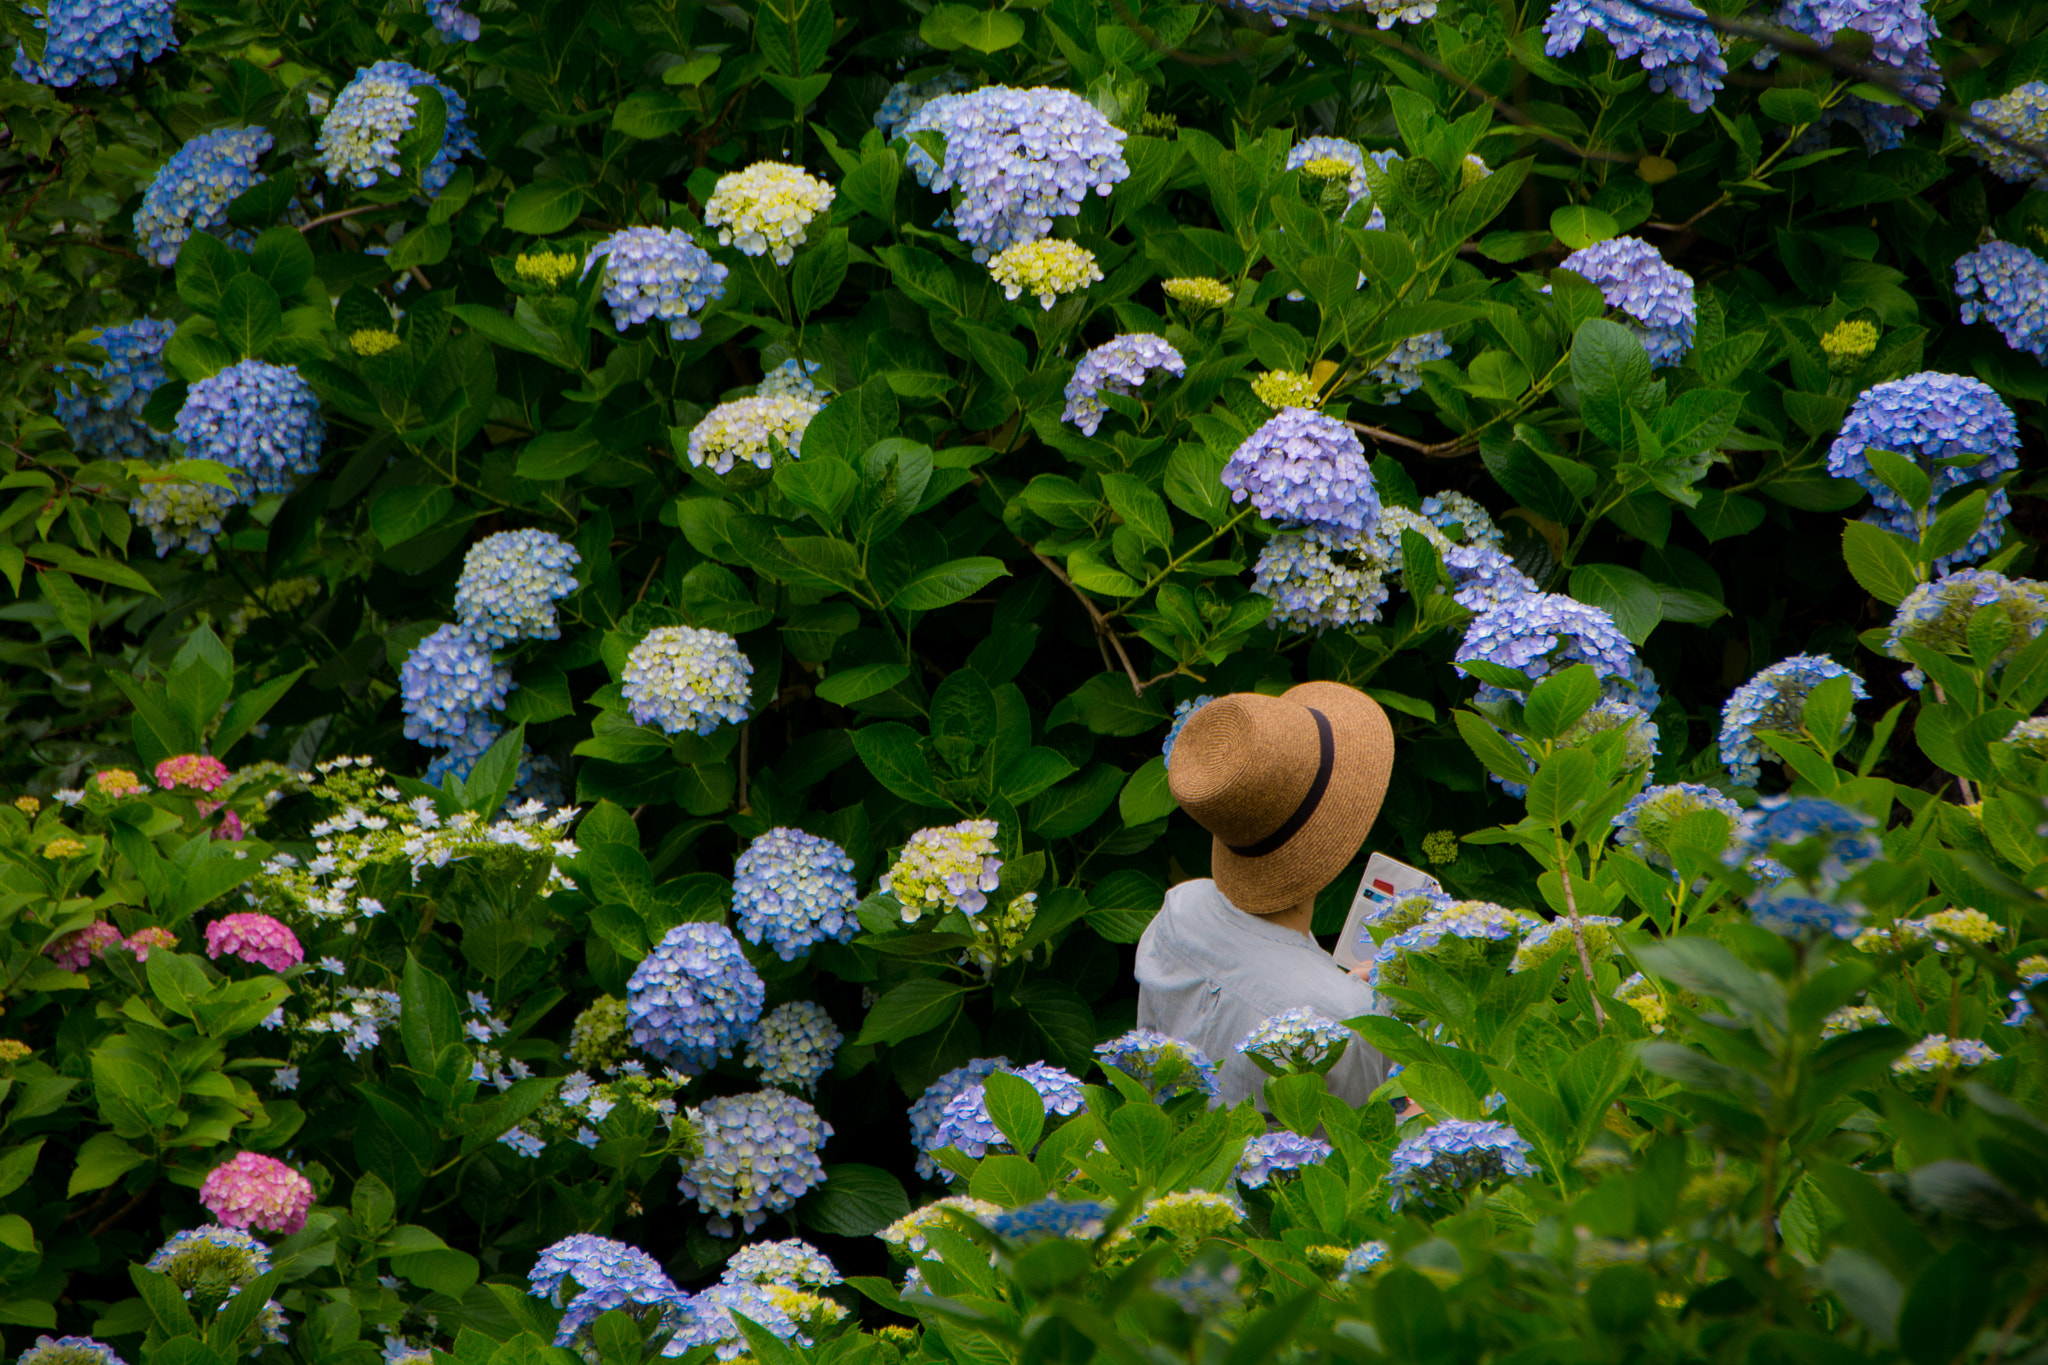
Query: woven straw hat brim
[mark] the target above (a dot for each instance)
(1326, 844)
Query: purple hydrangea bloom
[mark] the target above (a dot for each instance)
(1633, 277)
(965, 1122)
(657, 273)
(1276, 1154)
(191, 193)
(447, 686)
(1927, 417)
(1321, 580)
(1020, 158)
(1307, 468)
(2006, 285)
(1775, 699)
(759, 1156)
(1902, 34)
(1082, 1219)
(794, 891)
(1681, 57)
(260, 420)
(708, 1321)
(2022, 115)
(1119, 365)
(453, 22)
(693, 999)
(1454, 1156)
(1483, 577)
(1166, 1066)
(1539, 633)
(587, 1276)
(1790, 915)
(1848, 837)
(931, 1106)
(110, 425)
(97, 41)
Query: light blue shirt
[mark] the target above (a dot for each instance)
(1208, 974)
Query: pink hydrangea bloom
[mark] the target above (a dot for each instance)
(230, 827)
(254, 1191)
(155, 936)
(254, 938)
(200, 772)
(75, 951)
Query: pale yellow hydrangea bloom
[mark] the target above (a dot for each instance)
(1048, 268)
(766, 208)
(1849, 342)
(1279, 389)
(1198, 292)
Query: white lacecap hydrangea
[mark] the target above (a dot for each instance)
(750, 429)
(510, 583)
(792, 1045)
(657, 273)
(766, 209)
(260, 420)
(758, 1155)
(1047, 268)
(793, 891)
(448, 686)
(109, 425)
(951, 867)
(1120, 365)
(191, 193)
(685, 679)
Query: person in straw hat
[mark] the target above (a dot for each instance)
(1288, 786)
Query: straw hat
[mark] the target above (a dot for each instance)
(1289, 786)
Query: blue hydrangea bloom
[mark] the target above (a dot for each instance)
(2006, 285)
(692, 1000)
(1321, 580)
(1625, 713)
(1462, 922)
(965, 1122)
(2022, 115)
(1166, 1066)
(792, 1044)
(708, 1321)
(1333, 149)
(1019, 158)
(510, 583)
(793, 891)
(1453, 510)
(1641, 826)
(1483, 577)
(587, 1276)
(1296, 1039)
(359, 137)
(539, 777)
(1633, 277)
(1401, 372)
(1790, 915)
(1203, 1289)
(191, 193)
(446, 687)
(1539, 633)
(792, 379)
(685, 679)
(213, 1253)
(1386, 13)
(1902, 34)
(1276, 1154)
(1774, 699)
(657, 273)
(905, 98)
(1683, 58)
(1181, 713)
(109, 425)
(260, 420)
(1306, 468)
(453, 22)
(2033, 971)
(1081, 1219)
(1848, 840)
(930, 1107)
(96, 41)
(791, 1263)
(760, 1155)
(1120, 365)
(1927, 417)
(1362, 1258)
(1454, 1156)
(1937, 616)
(69, 1351)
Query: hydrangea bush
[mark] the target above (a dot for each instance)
(600, 597)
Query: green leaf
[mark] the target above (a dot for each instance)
(825, 488)
(281, 258)
(944, 584)
(1610, 368)
(649, 114)
(1491, 747)
(1789, 104)
(429, 1019)
(400, 514)
(794, 35)
(1902, 476)
(818, 273)
(543, 207)
(892, 754)
(1630, 598)
(1953, 527)
(1882, 561)
(559, 454)
(1948, 1304)
(17, 1164)
(248, 315)
(1017, 1109)
(1077, 803)
(1142, 509)
(1146, 796)
(423, 139)
(1107, 705)
(910, 1009)
(862, 681)
(853, 1201)
(1558, 701)
(1578, 225)
(1413, 1318)
(205, 269)
(102, 1159)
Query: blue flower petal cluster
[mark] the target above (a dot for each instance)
(965, 1122)
(1181, 713)
(1119, 365)
(1401, 371)
(1931, 418)
(453, 22)
(191, 193)
(1203, 1289)
(793, 891)
(792, 379)
(931, 1106)
(447, 686)
(1540, 633)
(96, 41)
(1791, 915)
(1306, 468)
(2006, 285)
(1483, 577)
(905, 98)
(1463, 932)
(1296, 1039)
(759, 1156)
(1681, 57)
(1845, 837)
(657, 273)
(1363, 1258)
(1456, 1155)
(1166, 1066)
(359, 138)
(1633, 277)
(510, 583)
(1775, 699)
(210, 1256)
(1333, 149)
(685, 679)
(109, 425)
(1080, 1219)
(1386, 13)
(1902, 34)
(1321, 580)
(692, 1000)
(1644, 823)
(1937, 616)
(69, 1351)
(1020, 158)
(2021, 114)
(791, 1263)
(792, 1045)
(1277, 1154)
(1385, 919)
(708, 1321)
(1453, 510)
(260, 420)
(587, 1276)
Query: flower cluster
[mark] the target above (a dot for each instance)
(1197, 292)
(1935, 420)
(751, 429)
(793, 891)
(181, 515)
(548, 269)
(1902, 34)
(657, 273)
(1189, 1216)
(965, 1122)
(1294, 1040)
(792, 1045)
(2006, 285)
(1645, 823)
(2029, 736)
(97, 42)
(1852, 1019)
(951, 867)
(1307, 468)
(510, 583)
(453, 22)
(80, 948)
(1080, 1219)
(1633, 277)
(759, 1155)
(708, 1320)
(1456, 1155)
(254, 1191)
(1181, 712)
(766, 209)
(1825, 840)
(1321, 580)
(905, 98)
(1940, 1054)
(1279, 389)
(1019, 159)
(359, 137)
(256, 939)
(1047, 267)
(1166, 1066)
(210, 1265)
(792, 1263)
(192, 191)
(1398, 914)
(200, 772)
(1271, 1155)
(447, 687)
(2021, 114)
(931, 1106)
(1937, 616)
(906, 1236)
(587, 1276)
(357, 1015)
(260, 420)
(792, 379)
(1941, 931)
(685, 679)
(68, 1350)
(1775, 699)
(1682, 57)
(1541, 633)
(1401, 371)
(1542, 945)
(1640, 993)
(1309, 152)
(110, 424)
(1463, 936)
(2033, 971)
(1386, 13)
(1120, 365)
(693, 998)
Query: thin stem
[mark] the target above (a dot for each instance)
(1104, 634)
(338, 215)
(1571, 910)
(1156, 579)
